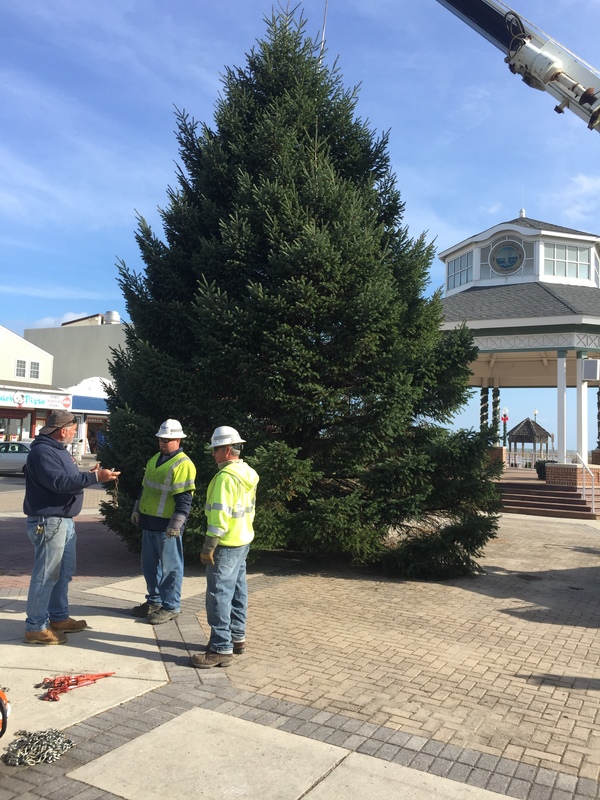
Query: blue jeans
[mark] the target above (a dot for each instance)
(53, 568)
(162, 567)
(227, 597)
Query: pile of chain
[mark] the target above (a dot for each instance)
(33, 748)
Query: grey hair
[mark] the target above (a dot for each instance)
(236, 449)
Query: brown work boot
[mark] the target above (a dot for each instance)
(211, 659)
(239, 647)
(69, 625)
(44, 637)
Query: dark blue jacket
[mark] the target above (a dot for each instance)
(53, 484)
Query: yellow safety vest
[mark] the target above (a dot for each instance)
(161, 483)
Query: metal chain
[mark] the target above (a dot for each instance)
(33, 748)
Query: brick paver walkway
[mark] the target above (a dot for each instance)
(493, 681)
(507, 663)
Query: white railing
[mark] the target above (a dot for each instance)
(585, 467)
(526, 459)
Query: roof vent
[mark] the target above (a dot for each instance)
(112, 318)
(522, 213)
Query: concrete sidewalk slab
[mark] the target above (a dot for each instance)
(111, 644)
(133, 590)
(205, 754)
(360, 776)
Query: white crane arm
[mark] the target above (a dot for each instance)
(542, 62)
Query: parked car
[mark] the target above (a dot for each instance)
(13, 456)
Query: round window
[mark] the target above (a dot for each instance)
(507, 257)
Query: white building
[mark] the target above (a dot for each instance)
(27, 392)
(72, 355)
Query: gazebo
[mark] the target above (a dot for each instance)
(530, 292)
(528, 432)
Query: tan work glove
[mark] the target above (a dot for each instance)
(135, 514)
(208, 549)
(175, 525)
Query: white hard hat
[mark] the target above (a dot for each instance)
(171, 429)
(225, 435)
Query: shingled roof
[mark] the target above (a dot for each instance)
(535, 224)
(522, 300)
(528, 431)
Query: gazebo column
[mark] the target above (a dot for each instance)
(496, 412)
(561, 404)
(484, 408)
(582, 409)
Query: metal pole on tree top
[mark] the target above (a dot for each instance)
(323, 31)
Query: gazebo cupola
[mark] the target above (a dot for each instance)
(521, 251)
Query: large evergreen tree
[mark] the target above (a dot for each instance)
(286, 298)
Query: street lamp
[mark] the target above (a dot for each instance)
(504, 420)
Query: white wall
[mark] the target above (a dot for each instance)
(13, 347)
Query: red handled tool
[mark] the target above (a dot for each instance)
(4, 713)
(57, 686)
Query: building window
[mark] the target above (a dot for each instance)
(21, 369)
(34, 369)
(567, 261)
(460, 270)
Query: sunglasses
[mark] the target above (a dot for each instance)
(164, 441)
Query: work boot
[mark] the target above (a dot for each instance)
(44, 637)
(239, 647)
(211, 659)
(144, 609)
(68, 625)
(162, 615)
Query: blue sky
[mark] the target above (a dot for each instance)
(87, 92)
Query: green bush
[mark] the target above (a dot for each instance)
(438, 552)
(540, 468)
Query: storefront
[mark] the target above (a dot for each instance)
(93, 413)
(23, 411)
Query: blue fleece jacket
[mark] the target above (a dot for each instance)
(53, 484)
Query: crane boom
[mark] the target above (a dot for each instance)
(542, 62)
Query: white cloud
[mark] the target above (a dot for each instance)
(56, 322)
(52, 294)
(579, 201)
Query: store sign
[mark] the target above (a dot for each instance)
(10, 399)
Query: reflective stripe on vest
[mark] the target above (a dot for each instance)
(235, 513)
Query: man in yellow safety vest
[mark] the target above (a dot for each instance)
(161, 511)
(230, 500)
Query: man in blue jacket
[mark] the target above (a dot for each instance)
(53, 496)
